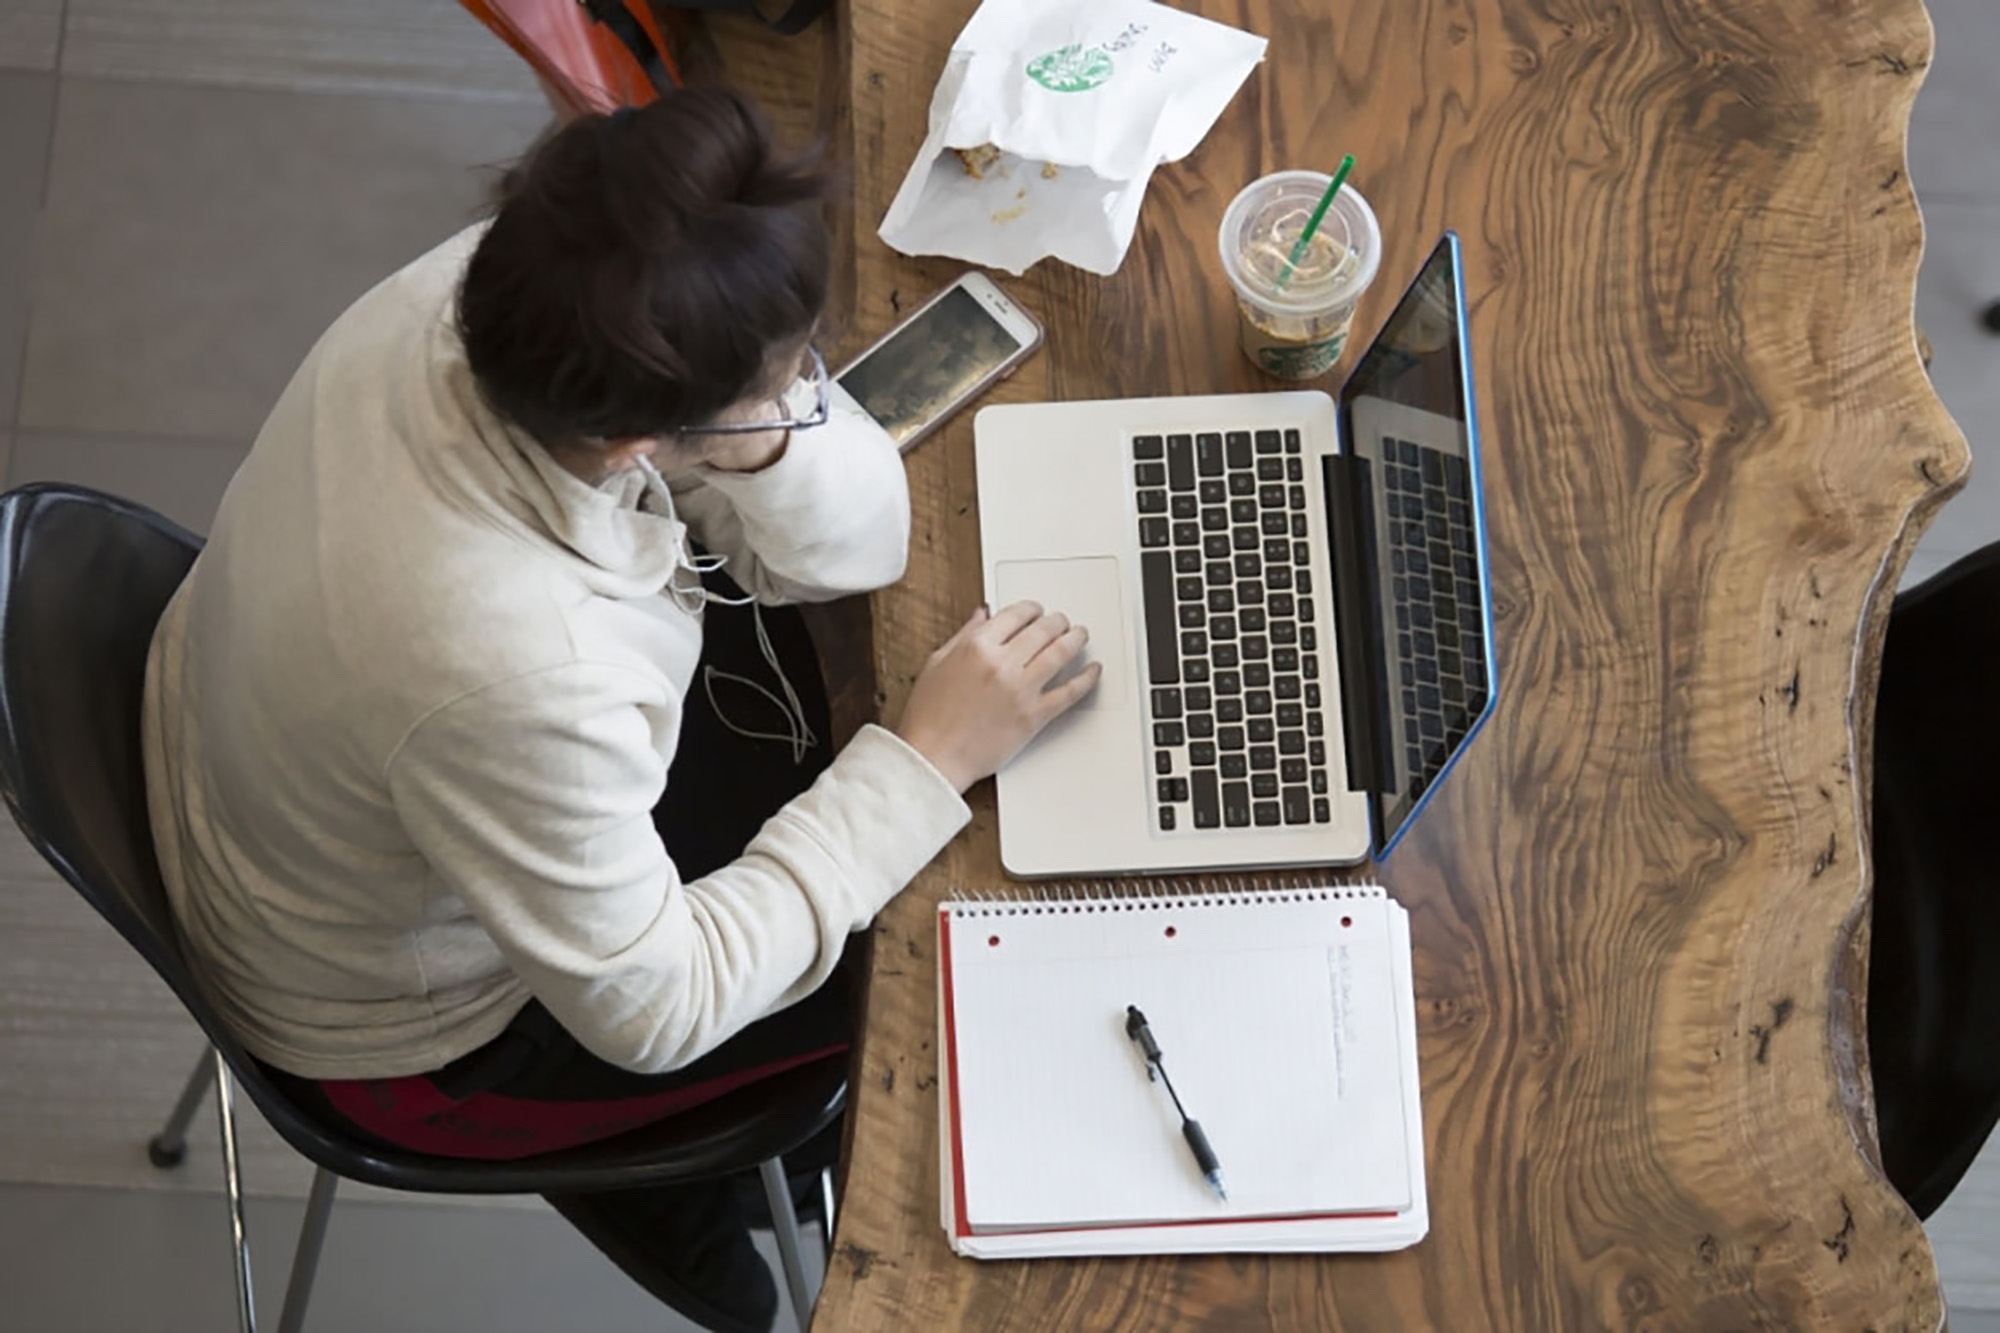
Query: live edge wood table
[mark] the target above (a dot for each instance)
(1640, 907)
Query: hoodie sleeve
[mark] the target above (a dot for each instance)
(532, 801)
(829, 518)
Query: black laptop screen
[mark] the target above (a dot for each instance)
(1420, 598)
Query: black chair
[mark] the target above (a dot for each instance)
(84, 578)
(1934, 959)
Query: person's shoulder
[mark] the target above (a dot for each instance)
(433, 276)
(522, 628)
(420, 295)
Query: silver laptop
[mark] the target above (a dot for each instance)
(1288, 592)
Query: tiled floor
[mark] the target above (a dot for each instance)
(27, 111)
(85, 1260)
(189, 191)
(30, 33)
(193, 242)
(379, 46)
(1955, 166)
(196, 240)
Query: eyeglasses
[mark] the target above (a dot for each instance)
(813, 372)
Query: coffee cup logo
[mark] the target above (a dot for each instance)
(1072, 69)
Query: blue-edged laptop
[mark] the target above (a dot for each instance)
(1288, 593)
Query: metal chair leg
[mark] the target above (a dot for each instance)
(169, 1147)
(826, 1205)
(232, 1180)
(785, 1222)
(305, 1259)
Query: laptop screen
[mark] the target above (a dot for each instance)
(1415, 578)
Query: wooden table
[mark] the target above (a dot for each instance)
(1640, 908)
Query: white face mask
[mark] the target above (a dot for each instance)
(692, 597)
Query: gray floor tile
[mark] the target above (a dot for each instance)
(421, 47)
(27, 102)
(30, 32)
(1954, 153)
(115, 1259)
(183, 479)
(1965, 1236)
(1960, 276)
(198, 240)
(1926, 560)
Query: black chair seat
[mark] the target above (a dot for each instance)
(84, 578)
(1934, 956)
(770, 1118)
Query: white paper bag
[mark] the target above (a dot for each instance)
(1083, 98)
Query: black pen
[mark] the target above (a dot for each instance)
(1204, 1156)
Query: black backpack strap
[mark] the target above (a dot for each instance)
(626, 28)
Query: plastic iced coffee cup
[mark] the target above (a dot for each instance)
(1295, 325)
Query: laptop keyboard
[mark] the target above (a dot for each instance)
(1439, 632)
(1232, 646)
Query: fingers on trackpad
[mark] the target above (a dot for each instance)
(1088, 590)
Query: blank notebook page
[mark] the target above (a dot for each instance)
(1277, 1019)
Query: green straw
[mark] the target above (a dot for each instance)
(1312, 225)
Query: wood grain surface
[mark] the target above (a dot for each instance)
(1640, 907)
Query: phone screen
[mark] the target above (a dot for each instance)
(929, 364)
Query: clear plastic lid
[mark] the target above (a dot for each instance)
(1263, 225)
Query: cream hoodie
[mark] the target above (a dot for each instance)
(407, 719)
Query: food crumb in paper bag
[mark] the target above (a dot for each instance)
(976, 160)
(1094, 96)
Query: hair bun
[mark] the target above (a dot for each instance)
(644, 268)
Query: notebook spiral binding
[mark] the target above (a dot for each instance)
(1138, 895)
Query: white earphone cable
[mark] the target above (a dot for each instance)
(798, 733)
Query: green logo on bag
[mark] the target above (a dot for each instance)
(1071, 69)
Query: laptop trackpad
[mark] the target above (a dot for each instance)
(1087, 591)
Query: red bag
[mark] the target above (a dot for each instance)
(592, 55)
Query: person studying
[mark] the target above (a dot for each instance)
(447, 809)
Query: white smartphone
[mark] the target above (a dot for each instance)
(946, 353)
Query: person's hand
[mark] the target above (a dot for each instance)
(985, 693)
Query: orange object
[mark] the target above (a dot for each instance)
(585, 63)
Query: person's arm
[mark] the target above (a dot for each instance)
(828, 517)
(532, 801)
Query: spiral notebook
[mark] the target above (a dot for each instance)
(1287, 1020)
